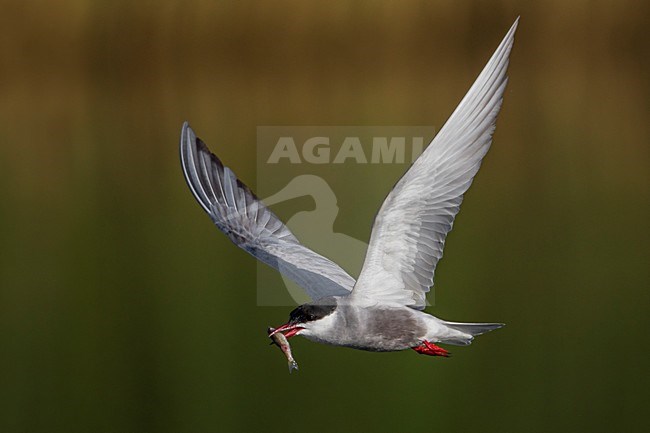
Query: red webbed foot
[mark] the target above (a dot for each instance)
(427, 348)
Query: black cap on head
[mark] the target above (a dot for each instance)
(310, 312)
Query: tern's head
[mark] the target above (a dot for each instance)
(304, 317)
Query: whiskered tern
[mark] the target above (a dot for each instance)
(382, 310)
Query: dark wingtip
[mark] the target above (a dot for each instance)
(187, 133)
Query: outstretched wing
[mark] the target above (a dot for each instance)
(238, 213)
(410, 229)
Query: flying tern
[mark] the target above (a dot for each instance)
(382, 310)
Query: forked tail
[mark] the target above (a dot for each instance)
(467, 331)
(474, 329)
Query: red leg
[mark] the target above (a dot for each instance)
(431, 349)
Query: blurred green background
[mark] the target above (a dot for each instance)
(122, 309)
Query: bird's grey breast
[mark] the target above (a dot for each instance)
(378, 329)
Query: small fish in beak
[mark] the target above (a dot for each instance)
(280, 340)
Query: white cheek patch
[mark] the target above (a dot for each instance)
(320, 326)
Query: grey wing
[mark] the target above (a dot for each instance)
(410, 229)
(249, 224)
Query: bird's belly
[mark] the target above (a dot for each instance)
(372, 343)
(384, 330)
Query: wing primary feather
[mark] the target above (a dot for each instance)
(248, 223)
(410, 229)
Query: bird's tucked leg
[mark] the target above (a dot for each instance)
(427, 348)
